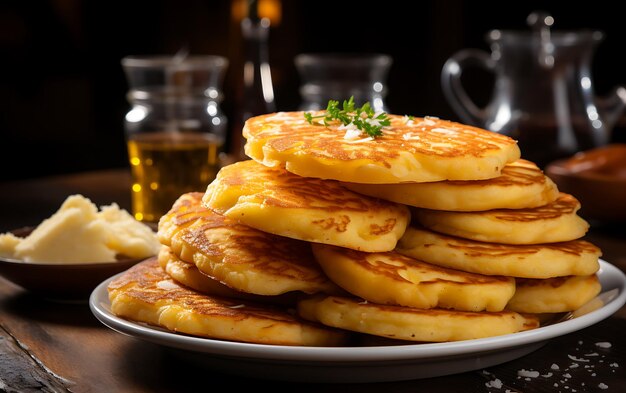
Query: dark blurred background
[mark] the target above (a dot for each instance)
(63, 92)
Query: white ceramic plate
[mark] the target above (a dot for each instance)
(363, 364)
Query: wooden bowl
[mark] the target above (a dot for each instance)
(60, 282)
(597, 178)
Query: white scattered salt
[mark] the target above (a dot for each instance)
(496, 383)
(352, 132)
(373, 122)
(580, 343)
(369, 138)
(445, 131)
(408, 136)
(574, 358)
(528, 373)
(427, 121)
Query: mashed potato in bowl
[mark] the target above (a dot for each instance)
(80, 233)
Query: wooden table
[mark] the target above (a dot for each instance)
(57, 347)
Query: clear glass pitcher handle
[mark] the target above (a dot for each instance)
(453, 89)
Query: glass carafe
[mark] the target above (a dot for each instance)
(543, 94)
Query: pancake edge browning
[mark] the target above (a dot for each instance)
(555, 222)
(521, 185)
(394, 279)
(184, 212)
(240, 257)
(275, 201)
(190, 276)
(554, 295)
(420, 150)
(187, 274)
(145, 293)
(412, 324)
(575, 257)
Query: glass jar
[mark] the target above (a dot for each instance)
(175, 129)
(339, 76)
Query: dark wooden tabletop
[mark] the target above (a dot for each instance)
(61, 347)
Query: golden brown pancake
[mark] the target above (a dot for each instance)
(521, 185)
(145, 293)
(413, 324)
(575, 257)
(188, 275)
(243, 258)
(554, 222)
(554, 295)
(320, 211)
(418, 150)
(187, 209)
(391, 278)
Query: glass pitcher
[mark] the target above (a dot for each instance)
(543, 95)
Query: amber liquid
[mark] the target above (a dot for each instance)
(167, 165)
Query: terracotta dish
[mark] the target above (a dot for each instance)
(597, 178)
(60, 282)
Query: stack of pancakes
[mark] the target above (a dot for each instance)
(435, 231)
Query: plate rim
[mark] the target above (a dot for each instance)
(98, 303)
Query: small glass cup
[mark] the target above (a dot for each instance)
(338, 76)
(175, 129)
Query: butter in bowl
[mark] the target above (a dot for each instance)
(597, 178)
(68, 254)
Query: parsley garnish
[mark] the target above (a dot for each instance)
(363, 118)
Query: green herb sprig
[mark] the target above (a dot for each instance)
(364, 118)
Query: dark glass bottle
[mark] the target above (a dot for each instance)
(256, 95)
